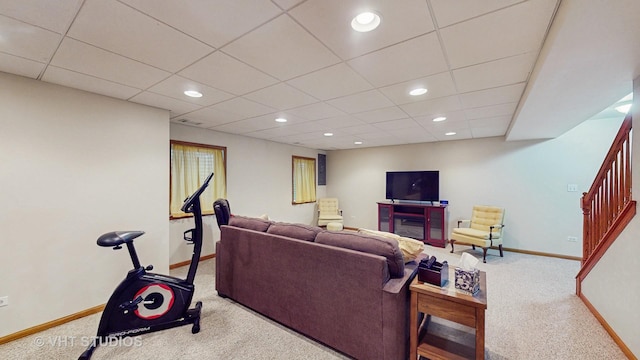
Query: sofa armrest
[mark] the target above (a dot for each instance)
(463, 221)
(395, 285)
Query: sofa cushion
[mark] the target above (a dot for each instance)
(367, 243)
(249, 223)
(410, 247)
(296, 231)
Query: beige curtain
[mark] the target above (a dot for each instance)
(190, 166)
(304, 180)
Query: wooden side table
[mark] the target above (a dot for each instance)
(449, 304)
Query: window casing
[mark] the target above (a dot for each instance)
(191, 163)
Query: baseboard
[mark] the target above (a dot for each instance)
(51, 324)
(608, 328)
(529, 252)
(538, 253)
(185, 263)
(63, 320)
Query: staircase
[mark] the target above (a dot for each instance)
(607, 206)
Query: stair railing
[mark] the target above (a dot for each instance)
(607, 207)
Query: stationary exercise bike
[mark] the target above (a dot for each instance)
(146, 302)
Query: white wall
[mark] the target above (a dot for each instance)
(528, 178)
(258, 182)
(612, 286)
(74, 166)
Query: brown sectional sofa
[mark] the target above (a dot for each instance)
(326, 285)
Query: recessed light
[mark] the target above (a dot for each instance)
(450, 133)
(193, 93)
(281, 120)
(365, 21)
(328, 134)
(624, 108)
(418, 92)
(357, 142)
(440, 118)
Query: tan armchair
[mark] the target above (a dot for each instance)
(329, 211)
(484, 230)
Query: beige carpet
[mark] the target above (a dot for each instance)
(533, 313)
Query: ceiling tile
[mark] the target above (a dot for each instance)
(20, 66)
(292, 120)
(230, 128)
(386, 114)
(306, 128)
(378, 134)
(249, 125)
(368, 100)
(332, 82)
(281, 96)
(176, 107)
(484, 38)
(175, 86)
(438, 85)
(397, 124)
(51, 15)
(497, 73)
(439, 106)
(496, 126)
(461, 130)
(461, 134)
(408, 60)
(447, 12)
(338, 122)
(215, 22)
(285, 130)
(491, 111)
(243, 107)
(287, 4)
(282, 49)
(56, 75)
(299, 138)
(276, 132)
(27, 41)
(413, 135)
(499, 95)
(398, 23)
(360, 129)
(482, 132)
(452, 116)
(316, 111)
(211, 116)
(80, 57)
(223, 72)
(116, 27)
(496, 121)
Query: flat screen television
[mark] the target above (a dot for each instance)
(413, 185)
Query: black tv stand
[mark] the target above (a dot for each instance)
(424, 222)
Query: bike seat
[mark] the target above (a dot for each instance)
(116, 238)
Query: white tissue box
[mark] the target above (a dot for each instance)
(467, 281)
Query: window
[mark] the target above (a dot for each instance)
(304, 180)
(190, 165)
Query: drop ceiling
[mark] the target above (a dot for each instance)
(519, 69)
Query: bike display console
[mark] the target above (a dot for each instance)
(424, 222)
